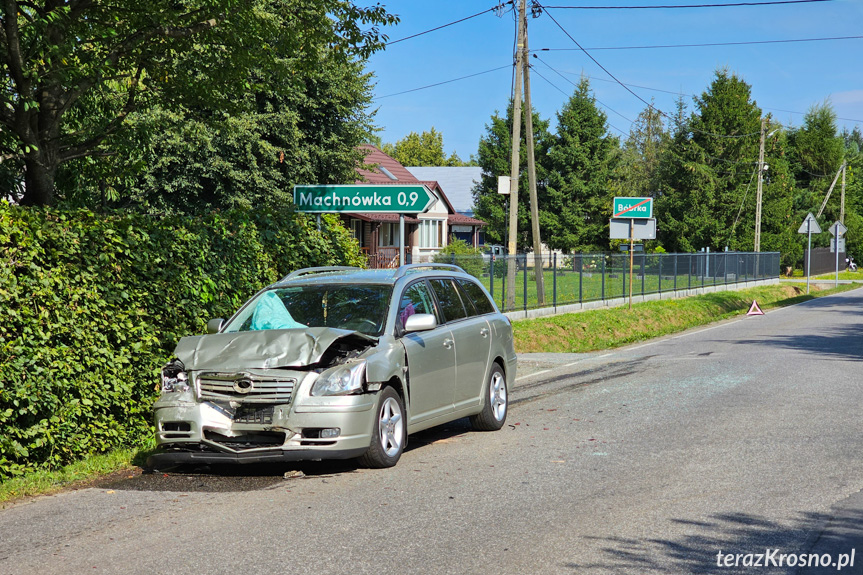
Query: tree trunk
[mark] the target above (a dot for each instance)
(41, 169)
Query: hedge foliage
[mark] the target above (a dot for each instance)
(93, 305)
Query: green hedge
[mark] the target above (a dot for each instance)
(93, 305)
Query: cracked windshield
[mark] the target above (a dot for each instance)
(360, 308)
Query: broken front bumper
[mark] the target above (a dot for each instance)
(190, 430)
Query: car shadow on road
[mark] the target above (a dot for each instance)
(827, 536)
(252, 477)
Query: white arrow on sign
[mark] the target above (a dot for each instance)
(810, 225)
(838, 229)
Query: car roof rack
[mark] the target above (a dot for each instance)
(319, 270)
(403, 270)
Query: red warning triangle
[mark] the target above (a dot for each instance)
(754, 309)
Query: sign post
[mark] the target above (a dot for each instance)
(838, 230)
(632, 209)
(809, 226)
(359, 198)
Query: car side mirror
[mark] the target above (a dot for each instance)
(214, 325)
(420, 322)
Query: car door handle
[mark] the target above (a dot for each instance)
(483, 332)
(447, 343)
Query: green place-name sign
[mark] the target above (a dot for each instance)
(637, 208)
(358, 198)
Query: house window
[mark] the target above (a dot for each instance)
(430, 233)
(388, 235)
(357, 230)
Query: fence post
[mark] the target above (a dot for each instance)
(554, 280)
(660, 274)
(675, 272)
(491, 275)
(524, 276)
(503, 285)
(689, 273)
(602, 293)
(580, 274)
(643, 261)
(624, 267)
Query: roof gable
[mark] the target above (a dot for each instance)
(376, 165)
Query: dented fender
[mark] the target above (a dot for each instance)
(385, 361)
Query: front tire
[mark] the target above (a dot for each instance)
(496, 404)
(389, 434)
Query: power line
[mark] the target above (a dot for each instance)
(604, 69)
(746, 43)
(673, 6)
(444, 82)
(576, 85)
(679, 93)
(556, 87)
(492, 9)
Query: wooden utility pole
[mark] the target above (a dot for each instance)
(513, 180)
(531, 173)
(759, 186)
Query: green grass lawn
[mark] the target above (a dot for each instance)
(613, 327)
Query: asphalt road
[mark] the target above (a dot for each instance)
(741, 438)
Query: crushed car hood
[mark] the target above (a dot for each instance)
(263, 349)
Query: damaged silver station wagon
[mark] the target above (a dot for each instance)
(337, 363)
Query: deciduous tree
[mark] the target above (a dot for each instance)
(75, 70)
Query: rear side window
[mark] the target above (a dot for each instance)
(449, 300)
(477, 296)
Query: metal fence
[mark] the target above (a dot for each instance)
(579, 278)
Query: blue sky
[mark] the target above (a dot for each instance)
(786, 78)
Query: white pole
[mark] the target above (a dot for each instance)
(809, 253)
(401, 239)
(836, 247)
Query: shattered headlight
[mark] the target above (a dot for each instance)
(174, 377)
(340, 380)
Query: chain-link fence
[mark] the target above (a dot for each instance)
(578, 278)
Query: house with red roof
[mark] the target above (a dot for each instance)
(425, 234)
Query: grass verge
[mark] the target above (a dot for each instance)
(81, 473)
(613, 327)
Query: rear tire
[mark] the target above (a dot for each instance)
(495, 406)
(389, 433)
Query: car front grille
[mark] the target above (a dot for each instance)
(253, 414)
(245, 388)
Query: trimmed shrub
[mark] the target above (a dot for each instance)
(93, 305)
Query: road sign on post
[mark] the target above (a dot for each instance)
(838, 229)
(643, 229)
(627, 215)
(640, 208)
(358, 198)
(809, 226)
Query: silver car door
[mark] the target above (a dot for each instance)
(472, 337)
(430, 358)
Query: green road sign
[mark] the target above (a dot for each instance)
(397, 199)
(632, 208)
